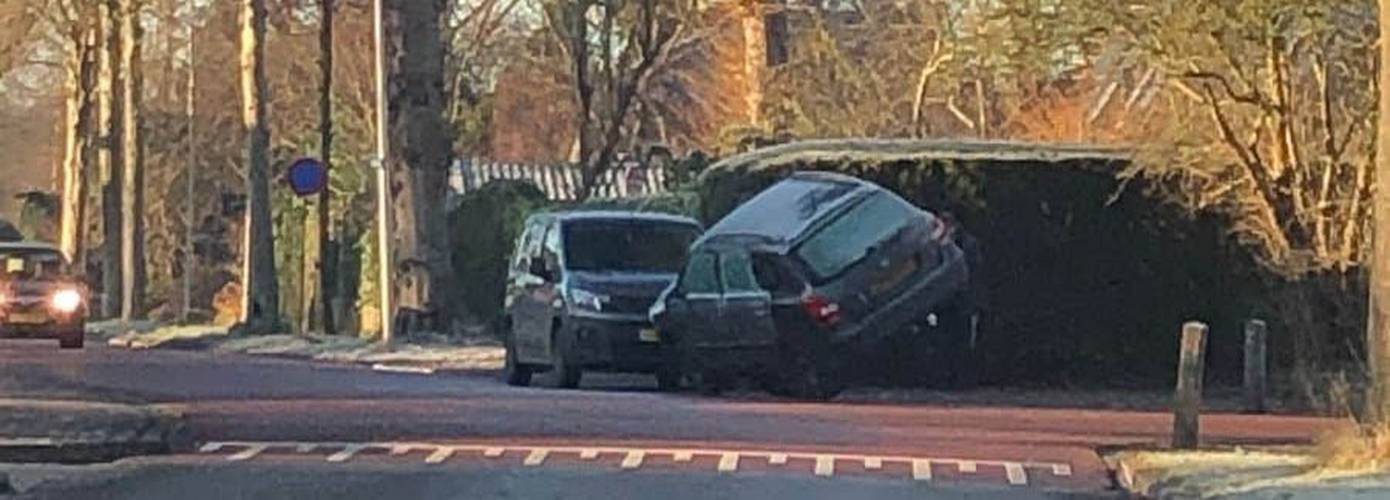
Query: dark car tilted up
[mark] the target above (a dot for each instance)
(39, 298)
(579, 290)
(796, 281)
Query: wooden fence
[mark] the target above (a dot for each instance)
(561, 182)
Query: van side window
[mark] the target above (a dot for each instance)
(551, 247)
(736, 270)
(526, 245)
(699, 276)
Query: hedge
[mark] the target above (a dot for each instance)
(1088, 279)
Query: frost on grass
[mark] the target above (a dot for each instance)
(166, 336)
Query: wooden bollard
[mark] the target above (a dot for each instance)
(1256, 382)
(1188, 400)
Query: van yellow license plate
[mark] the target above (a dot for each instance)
(649, 335)
(27, 318)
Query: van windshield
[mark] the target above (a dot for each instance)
(627, 246)
(32, 265)
(850, 237)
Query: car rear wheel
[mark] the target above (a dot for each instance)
(564, 372)
(806, 378)
(514, 371)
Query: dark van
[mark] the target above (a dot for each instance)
(580, 287)
(803, 277)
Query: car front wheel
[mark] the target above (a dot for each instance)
(71, 341)
(565, 371)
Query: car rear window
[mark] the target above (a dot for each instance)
(850, 237)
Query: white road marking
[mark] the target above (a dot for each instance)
(247, 454)
(536, 457)
(440, 455)
(1061, 470)
(1017, 476)
(347, 453)
(728, 462)
(633, 459)
(825, 465)
(921, 470)
(412, 370)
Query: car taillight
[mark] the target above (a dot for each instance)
(821, 309)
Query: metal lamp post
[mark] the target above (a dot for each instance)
(383, 197)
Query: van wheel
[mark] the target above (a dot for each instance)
(671, 372)
(566, 374)
(71, 342)
(515, 373)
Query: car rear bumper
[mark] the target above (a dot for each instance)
(614, 344)
(47, 331)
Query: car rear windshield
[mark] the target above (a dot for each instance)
(627, 246)
(853, 234)
(32, 265)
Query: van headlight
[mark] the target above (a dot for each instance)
(66, 301)
(587, 300)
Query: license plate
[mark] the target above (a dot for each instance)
(893, 278)
(27, 318)
(649, 335)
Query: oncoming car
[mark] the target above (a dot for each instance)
(39, 297)
(579, 289)
(807, 279)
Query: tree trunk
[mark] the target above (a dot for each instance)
(323, 261)
(82, 61)
(112, 157)
(261, 309)
(419, 159)
(132, 175)
(1378, 323)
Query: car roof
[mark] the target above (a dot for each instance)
(28, 246)
(774, 219)
(600, 215)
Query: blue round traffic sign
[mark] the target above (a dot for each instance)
(307, 177)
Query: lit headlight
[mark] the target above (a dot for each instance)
(66, 301)
(585, 299)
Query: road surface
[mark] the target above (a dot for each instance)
(268, 428)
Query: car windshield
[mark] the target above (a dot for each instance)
(631, 246)
(31, 265)
(852, 235)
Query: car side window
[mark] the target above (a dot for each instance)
(736, 271)
(524, 247)
(550, 249)
(699, 276)
(772, 276)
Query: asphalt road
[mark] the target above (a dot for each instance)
(288, 429)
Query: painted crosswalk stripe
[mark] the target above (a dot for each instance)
(777, 459)
(305, 447)
(633, 459)
(683, 456)
(1062, 470)
(440, 455)
(921, 470)
(588, 454)
(1017, 476)
(967, 467)
(210, 447)
(873, 463)
(536, 457)
(728, 462)
(825, 465)
(346, 454)
(493, 452)
(401, 449)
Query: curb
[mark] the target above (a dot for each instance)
(82, 432)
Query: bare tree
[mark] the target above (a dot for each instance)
(1378, 324)
(611, 63)
(261, 305)
(111, 125)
